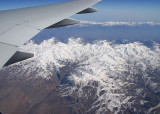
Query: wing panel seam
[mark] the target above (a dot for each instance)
(8, 44)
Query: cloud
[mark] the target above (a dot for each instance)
(111, 23)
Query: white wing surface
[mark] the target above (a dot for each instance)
(19, 25)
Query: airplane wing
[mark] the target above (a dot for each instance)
(19, 25)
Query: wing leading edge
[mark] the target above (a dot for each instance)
(20, 25)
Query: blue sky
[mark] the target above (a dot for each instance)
(109, 10)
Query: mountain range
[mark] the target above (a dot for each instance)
(82, 77)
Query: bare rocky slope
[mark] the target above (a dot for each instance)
(77, 77)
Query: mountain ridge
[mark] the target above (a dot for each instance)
(92, 77)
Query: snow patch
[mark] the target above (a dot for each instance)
(112, 66)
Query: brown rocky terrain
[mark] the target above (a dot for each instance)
(78, 78)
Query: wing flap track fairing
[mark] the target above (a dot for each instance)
(19, 56)
(65, 22)
(88, 10)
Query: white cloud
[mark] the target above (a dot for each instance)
(111, 23)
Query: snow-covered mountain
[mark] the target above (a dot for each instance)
(103, 76)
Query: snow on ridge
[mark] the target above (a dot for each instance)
(50, 51)
(102, 61)
(112, 23)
